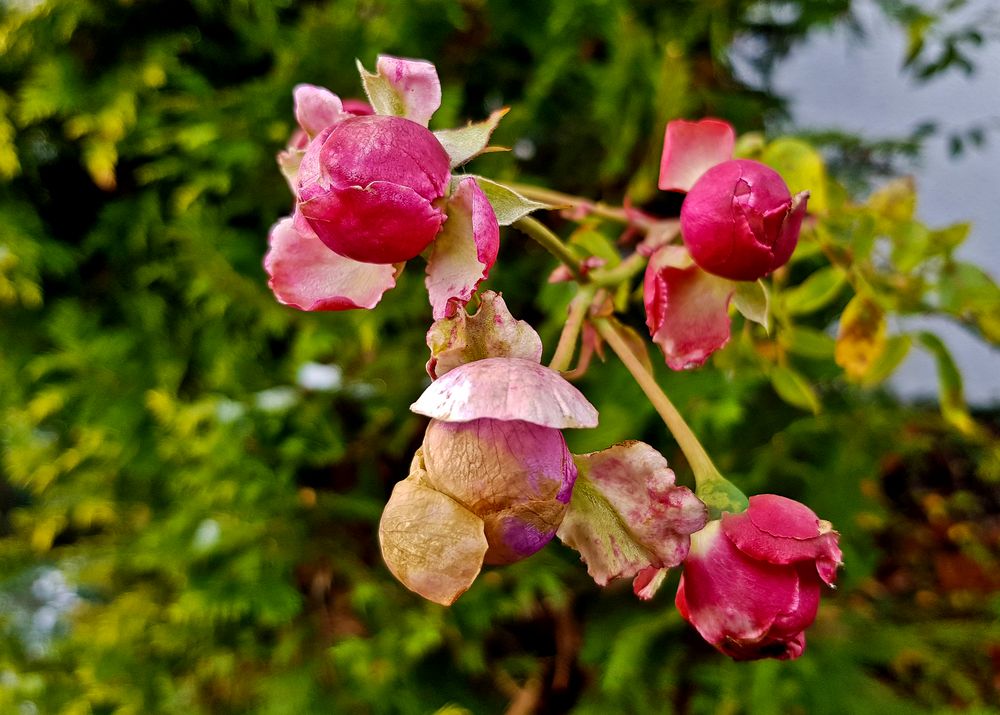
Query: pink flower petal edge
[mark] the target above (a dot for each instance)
(305, 274)
(692, 148)
(687, 309)
(783, 531)
(316, 108)
(506, 389)
(417, 84)
(464, 251)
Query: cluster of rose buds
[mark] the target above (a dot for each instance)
(493, 481)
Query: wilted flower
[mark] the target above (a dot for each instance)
(493, 478)
(751, 582)
(375, 190)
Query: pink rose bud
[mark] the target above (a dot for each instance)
(369, 187)
(739, 220)
(751, 582)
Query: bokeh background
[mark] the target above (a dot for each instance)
(192, 475)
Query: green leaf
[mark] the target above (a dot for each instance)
(807, 342)
(802, 168)
(815, 292)
(951, 393)
(381, 94)
(508, 205)
(753, 302)
(896, 350)
(466, 143)
(911, 246)
(794, 389)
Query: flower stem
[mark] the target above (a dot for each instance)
(551, 243)
(598, 208)
(620, 273)
(571, 330)
(696, 455)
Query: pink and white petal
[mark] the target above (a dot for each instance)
(648, 581)
(687, 309)
(627, 516)
(506, 388)
(289, 161)
(317, 108)
(692, 148)
(305, 274)
(430, 542)
(728, 595)
(417, 84)
(464, 251)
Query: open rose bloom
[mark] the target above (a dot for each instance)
(373, 189)
(739, 222)
(751, 583)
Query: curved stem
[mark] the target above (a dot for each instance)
(620, 273)
(598, 208)
(571, 330)
(701, 463)
(551, 243)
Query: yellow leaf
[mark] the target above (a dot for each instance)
(860, 338)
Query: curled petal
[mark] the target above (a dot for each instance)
(491, 332)
(306, 274)
(415, 82)
(506, 389)
(687, 309)
(464, 251)
(316, 108)
(430, 542)
(692, 148)
(783, 531)
(627, 518)
(378, 223)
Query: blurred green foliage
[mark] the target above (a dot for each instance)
(187, 517)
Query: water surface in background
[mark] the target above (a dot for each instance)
(837, 80)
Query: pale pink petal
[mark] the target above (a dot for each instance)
(430, 542)
(316, 108)
(687, 309)
(464, 251)
(627, 515)
(692, 148)
(307, 275)
(380, 223)
(417, 84)
(506, 389)
(491, 332)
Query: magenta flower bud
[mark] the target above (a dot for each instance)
(369, 187)
(751, 582)
(739, 221)
(515, 476)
